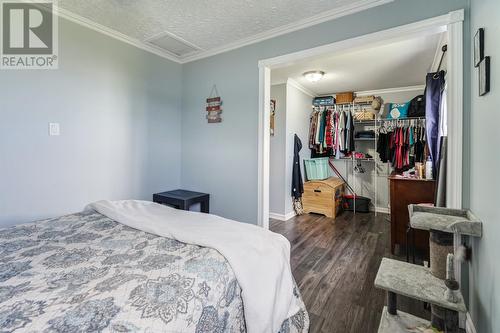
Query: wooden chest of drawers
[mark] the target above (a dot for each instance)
(323, 196)
(403, 192)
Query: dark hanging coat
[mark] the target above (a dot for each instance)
(297, 184)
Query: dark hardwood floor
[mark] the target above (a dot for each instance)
(335, 263)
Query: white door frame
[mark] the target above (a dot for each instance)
(451, 22)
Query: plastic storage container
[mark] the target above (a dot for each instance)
(317, 168)
(362, 203)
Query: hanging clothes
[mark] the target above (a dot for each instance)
(443, 112)
(297, 183)
(441, 175)
(329, 129)
(350, 133)
(401, 144)
(435, 83)
(322, 128)
(443, 141)
(383, 147)
(312, 129)
(420, 145)
(331, 132)
(318, 128)
(336, 144)
(346, 132)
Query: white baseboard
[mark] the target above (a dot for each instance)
(469, 324)
(282, 217)
(286, 217)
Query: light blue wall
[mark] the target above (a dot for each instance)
(119, 110)
(123, 129)
(222, 159)
(485, 177)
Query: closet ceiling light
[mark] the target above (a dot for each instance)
(314, 76)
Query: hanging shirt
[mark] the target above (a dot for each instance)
(336, 135)
(297, 183)
(350, 130)
(329, 129)
(312, 130)
(316, 135)
(341, 131)
(443, 113)
(322, 127)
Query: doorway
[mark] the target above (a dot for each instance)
(452, 23)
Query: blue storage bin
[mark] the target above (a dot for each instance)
(317, 168)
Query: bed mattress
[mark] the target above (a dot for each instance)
(87, 273)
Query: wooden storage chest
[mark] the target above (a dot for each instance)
(323, 196)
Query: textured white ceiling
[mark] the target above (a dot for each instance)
(203, 23)
(393, 65)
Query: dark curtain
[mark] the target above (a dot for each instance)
(433, 92)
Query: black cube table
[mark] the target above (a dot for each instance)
(183, 199)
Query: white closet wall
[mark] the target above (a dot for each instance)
(298, 112)
(293, 110)
(278, 153)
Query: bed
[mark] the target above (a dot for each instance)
(86, 272)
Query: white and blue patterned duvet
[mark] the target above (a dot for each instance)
(87, 273)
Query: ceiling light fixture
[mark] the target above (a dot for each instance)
(314, 76)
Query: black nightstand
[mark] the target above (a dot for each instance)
(182, 199)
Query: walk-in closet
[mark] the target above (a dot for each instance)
(362, 131)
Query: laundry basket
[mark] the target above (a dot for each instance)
(317, 168)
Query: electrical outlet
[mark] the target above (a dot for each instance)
(54, 129)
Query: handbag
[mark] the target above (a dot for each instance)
(417, 107)
(398, 110)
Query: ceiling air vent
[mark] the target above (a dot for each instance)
(173, 44)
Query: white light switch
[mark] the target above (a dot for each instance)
(54, 129)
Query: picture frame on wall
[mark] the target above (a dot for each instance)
(478, 47)
(484, 76)
(273, 114)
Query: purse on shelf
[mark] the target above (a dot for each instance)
(417, 107)
(364, 115)
(398, 110)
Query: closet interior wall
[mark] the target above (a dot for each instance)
(293, 110)
(292, 113)
(373, 182)
(277, 158)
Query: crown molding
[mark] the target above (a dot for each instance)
(432, 25)
(455, 16)
(300, 87)
(75, 18)
(285, 29)
(390, 90)
(197, 55)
